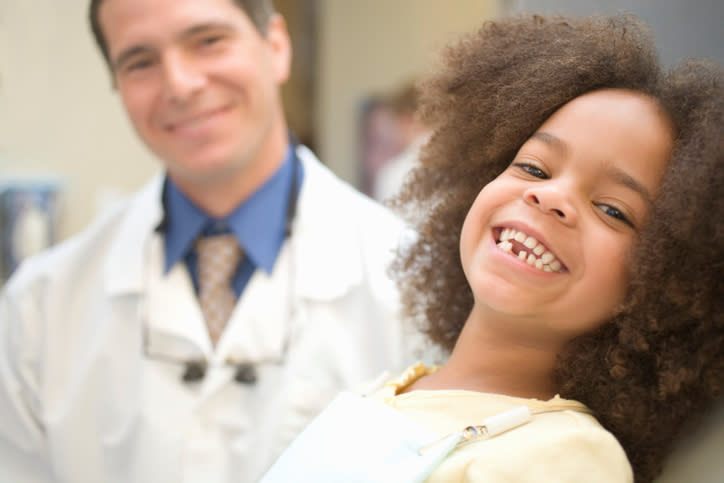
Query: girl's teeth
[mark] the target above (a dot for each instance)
(506, 246)
(537, 257)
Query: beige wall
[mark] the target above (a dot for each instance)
(372, 46)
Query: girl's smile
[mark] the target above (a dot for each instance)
(528, 249)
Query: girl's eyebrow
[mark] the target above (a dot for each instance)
(616, 174)
(551, 140)
(624, 179)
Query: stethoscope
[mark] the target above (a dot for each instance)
(195, 369)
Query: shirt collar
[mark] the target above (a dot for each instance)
(258, 223)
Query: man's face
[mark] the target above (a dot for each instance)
(200, 84)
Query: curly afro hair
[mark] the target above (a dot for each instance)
(661, 359)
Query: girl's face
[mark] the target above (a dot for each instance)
(546, 242)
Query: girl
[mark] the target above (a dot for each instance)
(570, 222)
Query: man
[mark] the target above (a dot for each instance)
(119, 359)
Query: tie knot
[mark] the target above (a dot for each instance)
(218, 257)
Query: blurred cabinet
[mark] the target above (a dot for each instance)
(29, 214)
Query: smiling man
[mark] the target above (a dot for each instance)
(189, 334)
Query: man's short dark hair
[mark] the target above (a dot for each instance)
(258, 11)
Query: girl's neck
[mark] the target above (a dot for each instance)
(487, 359)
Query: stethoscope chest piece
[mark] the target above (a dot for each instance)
(245, 374)
(194, 371)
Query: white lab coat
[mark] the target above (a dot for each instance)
(79, 401)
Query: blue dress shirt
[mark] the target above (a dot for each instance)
(259, 224)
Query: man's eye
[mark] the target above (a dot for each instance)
(614, 212)
(138, 65)
(532, 170)
(211, 40)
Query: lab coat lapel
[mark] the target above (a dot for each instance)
(175, 325)
(171, 316)
(125, 269)
(322, 257)
(258, 329)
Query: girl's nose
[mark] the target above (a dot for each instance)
(553, 201)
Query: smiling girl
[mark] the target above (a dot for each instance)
(572, 250)
(570, 223)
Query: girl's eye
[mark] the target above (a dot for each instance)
(614, 212)
(532, 170)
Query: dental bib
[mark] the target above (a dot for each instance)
(361, 440)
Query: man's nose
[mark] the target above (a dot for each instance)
(553, 200)
(182, 77)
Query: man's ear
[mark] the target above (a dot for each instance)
(278, 38)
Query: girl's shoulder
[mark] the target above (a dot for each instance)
(562, 446)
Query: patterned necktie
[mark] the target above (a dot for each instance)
(218, 258)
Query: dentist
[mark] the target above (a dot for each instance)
(118, 361)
